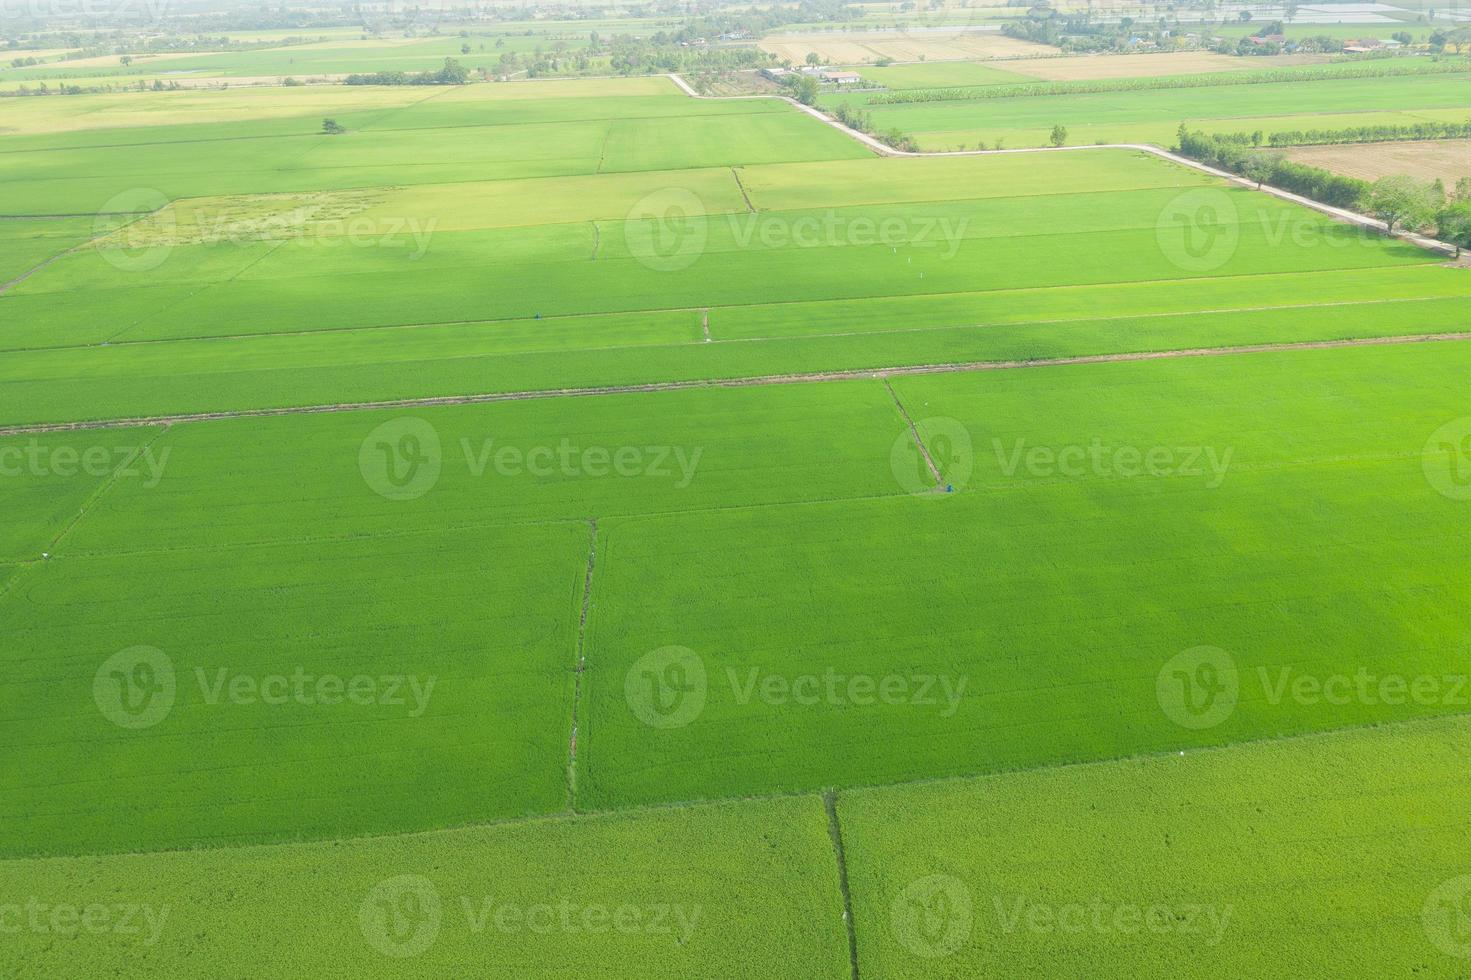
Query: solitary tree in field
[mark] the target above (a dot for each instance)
(1244, 16)
(812, 59)
(1402, 200)
(1059, 135)
(332, 127)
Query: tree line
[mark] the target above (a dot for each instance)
(453, 73)
(1399, 201)
(1371, 134)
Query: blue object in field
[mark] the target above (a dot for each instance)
(949, 488)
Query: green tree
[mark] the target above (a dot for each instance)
(332, 127)
(1402, 200)
(806, 89)
(812, 59)
(1260, 167)
(1453, 224)
(1059, 135)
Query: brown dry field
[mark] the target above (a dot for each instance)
(1449, 160)
(1147, 65)
(858, 48)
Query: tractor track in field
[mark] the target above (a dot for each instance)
(581, 663)
(914, 432)
(755, 381)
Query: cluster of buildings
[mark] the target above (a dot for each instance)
(822, 74)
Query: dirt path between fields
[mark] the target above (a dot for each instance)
(855, 374)
(883, 149)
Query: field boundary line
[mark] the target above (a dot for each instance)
(914, 431)
(754, 381)
(744, 196)
(659, 807)
(835, 831)
(7, 286)
(580, 663)
(883, 149)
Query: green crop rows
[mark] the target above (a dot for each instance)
(576, 529)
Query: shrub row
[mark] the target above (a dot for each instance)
(1314, 182)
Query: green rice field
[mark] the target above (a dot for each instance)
(1153, 115)
(568, 528)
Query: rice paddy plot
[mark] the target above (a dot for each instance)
(284, 480)
(1229, 861)
(612, 896)
(1101, 528)
(309, 689)
(47, 481)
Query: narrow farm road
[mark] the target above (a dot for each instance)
(883, 149)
